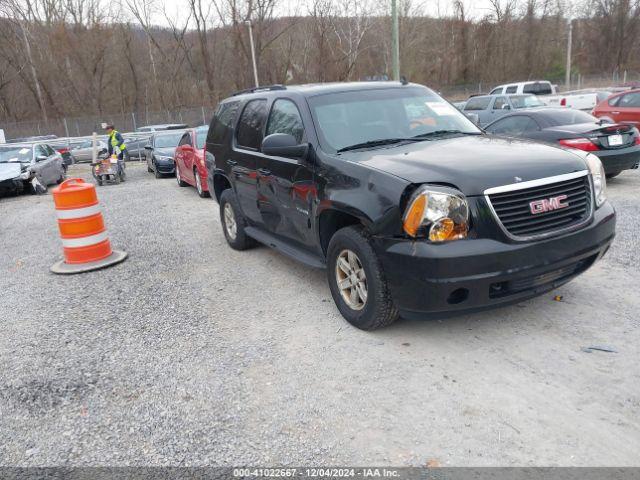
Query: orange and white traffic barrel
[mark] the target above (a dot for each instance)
(84, 236)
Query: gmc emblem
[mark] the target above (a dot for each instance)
(548, 204)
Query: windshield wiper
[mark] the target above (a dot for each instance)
(374, 143)
(437, 133)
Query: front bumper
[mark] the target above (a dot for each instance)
(621, 159)
(165, 165)
(11, 186)
(428, 280)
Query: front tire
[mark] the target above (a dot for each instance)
(181, 183)
(613, 174)
(156, 172)
(233, 222)
(357, 282)
(199, 188)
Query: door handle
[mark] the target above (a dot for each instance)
(232, 163)
(264, 172)
(615, 113)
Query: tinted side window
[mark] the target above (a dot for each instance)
(630, 100)
(513, 125)
(249, 131)
(285, 118)
(537, 88)
(222, 123)
(512, 89)
(496, 91)
(477, 103)
(185, 140)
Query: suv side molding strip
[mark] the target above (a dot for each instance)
(285, 247)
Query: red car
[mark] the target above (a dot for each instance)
(623, 107)
(189, 160)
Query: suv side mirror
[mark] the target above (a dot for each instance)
(147, 147)
(284, 145)
(506, 106)
(41, 158)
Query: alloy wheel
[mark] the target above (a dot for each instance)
(351, 279)
(198, 182)
(230, 224)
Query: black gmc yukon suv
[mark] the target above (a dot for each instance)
(411, 208)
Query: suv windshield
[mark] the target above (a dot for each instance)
(371, 116)
(163, 141)
(525, 101)
(15, 153)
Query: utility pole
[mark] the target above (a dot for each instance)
(253, 55)
(395, 46)
(567, 79)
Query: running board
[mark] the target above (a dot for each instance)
(289, 250)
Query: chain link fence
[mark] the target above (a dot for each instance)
(193, 116)
(124, 122)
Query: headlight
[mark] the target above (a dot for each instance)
(437, 215)
(599, 178)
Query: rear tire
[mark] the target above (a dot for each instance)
(233, 222)
(362, 296)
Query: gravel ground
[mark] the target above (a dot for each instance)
(190, 353)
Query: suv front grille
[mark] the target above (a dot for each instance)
(513, 207)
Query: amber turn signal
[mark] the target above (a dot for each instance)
(414, 216)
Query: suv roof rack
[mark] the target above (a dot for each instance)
(266, 88)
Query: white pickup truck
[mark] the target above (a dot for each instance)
(578, 99)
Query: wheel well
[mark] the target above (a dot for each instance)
(330, 222)
(220, 184)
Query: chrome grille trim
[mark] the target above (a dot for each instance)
(541, 182)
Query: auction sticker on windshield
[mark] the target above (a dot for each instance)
(441, 108)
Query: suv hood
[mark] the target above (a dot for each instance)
(471, 163)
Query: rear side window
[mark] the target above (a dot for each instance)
(512, 89)
(477, 103)
(537, 88)
(630, 100)
(222, 123)
(249, 131)
(285, 118)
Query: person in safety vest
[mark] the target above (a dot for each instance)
(115, 142)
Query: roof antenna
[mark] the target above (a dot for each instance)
(403, 80)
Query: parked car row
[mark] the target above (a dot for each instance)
(181, 153)
(617, 145)
(610, 131)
